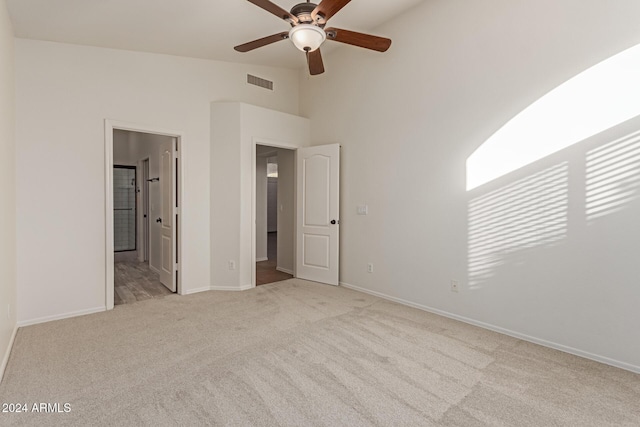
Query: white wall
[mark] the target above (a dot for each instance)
(64, 94)
(408, 119)
(261, 208)
(129, 147)
(7, 188)
(235, 130)
(286, 216)
(272, 203)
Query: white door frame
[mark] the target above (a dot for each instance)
(275, 144)
(109, 127)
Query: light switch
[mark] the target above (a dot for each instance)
(363, 210)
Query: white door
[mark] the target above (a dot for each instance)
(169, 264)
(318, 224)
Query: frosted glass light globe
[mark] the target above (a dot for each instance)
(307, 37)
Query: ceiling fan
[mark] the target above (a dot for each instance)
(308, 31)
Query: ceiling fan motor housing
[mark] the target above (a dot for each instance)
(303, 12)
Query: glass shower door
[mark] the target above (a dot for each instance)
(124, 208)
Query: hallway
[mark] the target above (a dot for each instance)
(266, 270)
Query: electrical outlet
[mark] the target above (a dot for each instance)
(232, 265)
(454, 286)
(369, 268)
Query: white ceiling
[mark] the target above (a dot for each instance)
(196, 28)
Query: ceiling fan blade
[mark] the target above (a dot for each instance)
(275, 9)
(366, 41)
(328, 8)
(262, 42)
(314, 59)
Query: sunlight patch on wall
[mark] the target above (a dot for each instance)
(597, 99)
(528, 213)
(613, 176)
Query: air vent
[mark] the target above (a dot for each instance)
(257, 81)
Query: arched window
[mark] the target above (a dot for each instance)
(595, 100)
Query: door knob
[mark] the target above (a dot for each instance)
(159, 220)
(333, 221)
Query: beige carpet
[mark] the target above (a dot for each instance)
(296, 353)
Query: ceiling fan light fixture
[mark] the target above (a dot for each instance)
(307, 37)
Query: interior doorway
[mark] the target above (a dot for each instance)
(149, 268)
(275, 214)
(138, 260)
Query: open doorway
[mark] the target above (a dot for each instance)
(144, 219)
(275, 214)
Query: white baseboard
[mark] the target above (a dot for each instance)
(29, 322)
(7, 353)
(232, 288)
(285, 270)
(218, 288)
(152, 268)
(262, 259)
(535, 340)
(196, 290)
